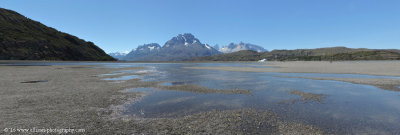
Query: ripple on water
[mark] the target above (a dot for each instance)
(123, 78)
(141, 89)
(173, 83)
(36, 81)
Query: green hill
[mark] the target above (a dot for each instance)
(24, 39)
(244, 55)
(319, 54)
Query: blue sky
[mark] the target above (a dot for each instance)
(121, 25)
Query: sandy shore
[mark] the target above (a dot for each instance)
(380, 68)
(76, 97)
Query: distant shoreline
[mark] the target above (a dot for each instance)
(377, 68)
(380, 68)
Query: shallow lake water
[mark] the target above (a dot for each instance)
(345, 107)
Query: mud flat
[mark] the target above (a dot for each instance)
(76, 97)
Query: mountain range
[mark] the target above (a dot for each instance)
(143, 52)
(24, 39)
(182, 47)
(232, 47)
(118, 55)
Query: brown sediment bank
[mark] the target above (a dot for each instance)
(382, 83)
(383, 68)
(305, 97)
(77, 98)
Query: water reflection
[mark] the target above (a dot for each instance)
(346, 107)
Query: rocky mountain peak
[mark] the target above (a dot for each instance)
(149, 47)
(182, 39)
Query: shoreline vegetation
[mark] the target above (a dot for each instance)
(77, 97)
(318, 54)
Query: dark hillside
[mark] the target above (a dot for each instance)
(24, 39)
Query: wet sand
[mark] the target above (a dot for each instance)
(380, 68)
(76, 97)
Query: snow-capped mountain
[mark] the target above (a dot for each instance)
(118, 55)
(185, 39)
(182, 47)
(232, 47)
(142, 51)
(186, 46)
